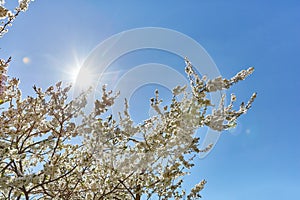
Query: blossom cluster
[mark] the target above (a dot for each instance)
(222, 117)
(3, 77)
(4, 12)
(8, 16)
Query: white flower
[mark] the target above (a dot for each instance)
(215, 84)
(3, 12)
(23, 4)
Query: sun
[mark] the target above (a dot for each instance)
(76, 73)
(73, 73)
(78, 76)
(84, 78)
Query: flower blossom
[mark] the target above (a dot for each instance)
(3, 77)
(3, 12)
(23, 4)
(215, 84)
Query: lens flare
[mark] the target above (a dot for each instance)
(26, 60)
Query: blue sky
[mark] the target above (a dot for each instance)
(258, 160)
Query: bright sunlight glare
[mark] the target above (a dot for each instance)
(83, 77)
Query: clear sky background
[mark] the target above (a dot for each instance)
(260, 159)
